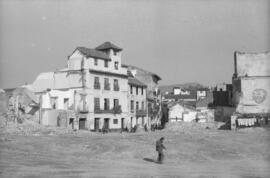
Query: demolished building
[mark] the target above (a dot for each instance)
(251, 88)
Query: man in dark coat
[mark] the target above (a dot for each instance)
(159, 149)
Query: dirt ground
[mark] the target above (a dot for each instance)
(191, 152)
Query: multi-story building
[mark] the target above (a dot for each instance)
(137, 103)
(153, 95)
(94, 85)
(93, 92)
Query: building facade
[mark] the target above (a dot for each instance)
(137, 103)
(94, 92)
(251, 88)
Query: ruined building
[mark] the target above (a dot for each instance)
(251, 88)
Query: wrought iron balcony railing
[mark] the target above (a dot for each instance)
(115, 110)
(97, 86)
(141, 112)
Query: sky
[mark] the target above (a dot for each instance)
(180, 40)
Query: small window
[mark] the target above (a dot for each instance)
(106, 64)
(115, 121)
(116, 65)
(131, 92)
(131, 105)
(54, 102)
(137, 90)
(66, 103)
(96, 62)
(115, 102)
(106, 84)
(115, 85)
(115, 53)
(96, 83)
(106, 104)
(96, 103)
(142, 90)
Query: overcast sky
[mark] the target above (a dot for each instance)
(182, 41)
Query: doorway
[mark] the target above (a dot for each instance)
(71, 123)
(96, 124)
(82, 122)
(106, 123)
(122, 123)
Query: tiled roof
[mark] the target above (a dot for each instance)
(136, 82)
(185, 104)
(181, 97)
(108, 45)
(93, 53)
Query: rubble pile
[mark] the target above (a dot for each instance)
(30, 127)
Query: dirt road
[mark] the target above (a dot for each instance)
(193, 153)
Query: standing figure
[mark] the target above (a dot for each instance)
(159, 149)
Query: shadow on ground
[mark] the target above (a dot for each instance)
(150, 160)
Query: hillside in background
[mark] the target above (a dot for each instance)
(188, 86)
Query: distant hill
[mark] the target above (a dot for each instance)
(188, 86)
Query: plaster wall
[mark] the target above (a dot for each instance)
(252, 64)
(176, 111)
(254, 96)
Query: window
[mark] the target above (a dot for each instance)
(137, 105)
(106, 104)
(137, 90)
(115, 121)
(66, 103)
(131, 92)
(115, 85)
(114, 52)
(142, 105)
(142, 90)
(106, 84)
(131, 105)
(116, 65)
(96, 83)
(96, 104)
(96, 62)
(54, 102)
(115, 102)
(106, 64)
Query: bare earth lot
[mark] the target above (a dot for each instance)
(192, 152)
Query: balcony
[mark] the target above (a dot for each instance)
(82, 109)
(97, 86)
(141, 112)
(107, 87)
(115, 110)
(116, 88)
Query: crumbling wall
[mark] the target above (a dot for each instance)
(255, 95)
(252, 64)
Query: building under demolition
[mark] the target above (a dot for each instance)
(251, 89)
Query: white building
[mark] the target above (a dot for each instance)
(93, 92)
(179, 111)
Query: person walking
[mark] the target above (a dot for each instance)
(159, 148)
